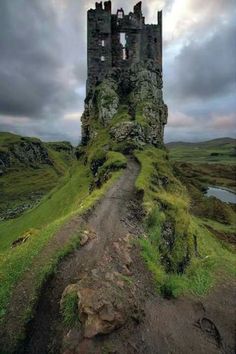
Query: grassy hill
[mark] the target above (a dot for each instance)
(222, 151)
(29, 169)
(65, 185)
(70, 187)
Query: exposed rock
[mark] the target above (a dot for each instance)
(99, 315)
(12, 213)
(168, 234)
(128, 131)
(25, 153)
(4, 160)
(87, 235)
(84, 239)
(32, 153)
(140, 87)
(107, 101)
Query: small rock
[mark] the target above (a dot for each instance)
(84, 239)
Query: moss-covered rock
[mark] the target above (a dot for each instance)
(138, 91)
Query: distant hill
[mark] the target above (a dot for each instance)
(221, 150)
(29, 168)
(213, 142)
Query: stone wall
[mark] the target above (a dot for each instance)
(120, 40)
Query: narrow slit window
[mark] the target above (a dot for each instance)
(123, 39)
(102, 58)
(124, 54)
(123, 43)
(103, 43)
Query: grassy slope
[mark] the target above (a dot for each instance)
(218, 151)
(20, 182)
(198, 176)
(212, 256)
(69, 197)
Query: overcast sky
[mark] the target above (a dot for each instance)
(43, 66)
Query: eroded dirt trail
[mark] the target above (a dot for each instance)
(109, 221)
(120, 311)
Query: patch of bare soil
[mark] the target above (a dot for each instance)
(119, 309)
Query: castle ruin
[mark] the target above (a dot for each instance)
(124, 83)
(119, 40)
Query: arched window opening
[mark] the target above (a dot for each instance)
(102, 58)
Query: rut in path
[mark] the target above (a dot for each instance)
(109, 221)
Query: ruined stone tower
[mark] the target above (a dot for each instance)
(124, 84)
(119, 40)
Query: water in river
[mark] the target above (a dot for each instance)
(222, 194)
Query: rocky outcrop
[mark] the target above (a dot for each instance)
(129, 132)
(139, 89)
(22, 158)
(107, 101)
(32, 153)
(24, 153)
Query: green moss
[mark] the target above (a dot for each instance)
(106, 93)
(98, 147)
(114, 161)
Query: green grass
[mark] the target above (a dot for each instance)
(22, 183)
(205, 174)
(7, 139)
(218, 151)
(114, 161)
(171, 202)
(70, 311)
(70, 197)
(227, 228)
(216, 260)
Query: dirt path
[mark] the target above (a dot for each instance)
(111, 221)
(120, 311)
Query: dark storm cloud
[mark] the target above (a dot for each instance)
(205, 67)
(31, 60)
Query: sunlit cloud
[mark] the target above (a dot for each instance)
(72, 116)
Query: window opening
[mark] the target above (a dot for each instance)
(123, 39)
(124, 54)
(120, 14)
(102, 58)
(123, 42)
(103, 43)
